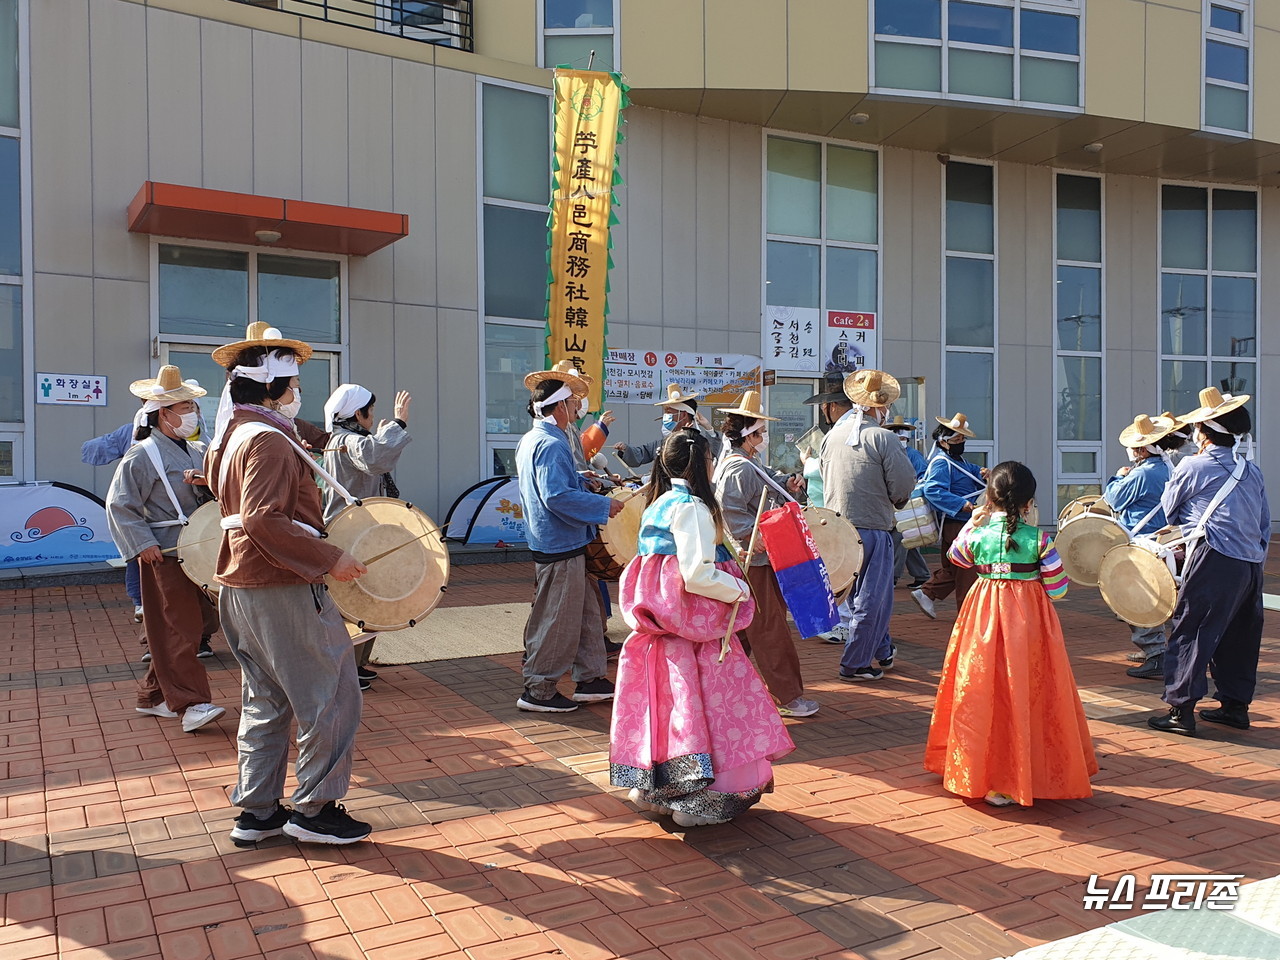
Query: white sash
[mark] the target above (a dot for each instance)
(757, 468)
(153, 454)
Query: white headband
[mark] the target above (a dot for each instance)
(684, 407)
(564, 393)
(860, 412)
(344, 402)
(273, 366)
(1244, 440)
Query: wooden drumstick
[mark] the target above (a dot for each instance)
(401, 546)
(751, 549)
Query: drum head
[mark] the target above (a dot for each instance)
(620, 536)
(1137, 585)
(838, 544)
(1089, 504)
(407, 560)
(1083, 541)
(198, 545)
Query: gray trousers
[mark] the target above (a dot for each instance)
(1150, 640)
(912, 560)
(564, 628)
(295, 661)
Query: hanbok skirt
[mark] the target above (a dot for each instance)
(693, 734)
(1008, 716)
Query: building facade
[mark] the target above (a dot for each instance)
(1056, 213)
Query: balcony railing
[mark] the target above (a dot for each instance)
(446, 23)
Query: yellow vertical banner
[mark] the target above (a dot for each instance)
(584, 172)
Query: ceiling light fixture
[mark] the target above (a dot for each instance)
(267, 236)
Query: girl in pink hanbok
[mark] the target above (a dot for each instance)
(693, 736)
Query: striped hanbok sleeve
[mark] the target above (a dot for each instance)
(961, 550)
(1052, 576)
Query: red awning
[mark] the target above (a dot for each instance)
(194, 213)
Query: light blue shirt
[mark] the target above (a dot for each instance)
(1133, 496)
(947, 488)
(1240, 526)
(107, 448)
(560, 514)
(917, 460)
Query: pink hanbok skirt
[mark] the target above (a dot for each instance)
(693, 734)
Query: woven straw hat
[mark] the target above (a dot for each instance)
(899, 424)
(566, 373)
(871, 388)
(675, 394)
(1146, 430)
(959, 424)
(260, 334)
(748, 406)
(1213, 404)
(167, 388)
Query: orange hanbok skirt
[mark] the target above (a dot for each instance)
(1008, 717)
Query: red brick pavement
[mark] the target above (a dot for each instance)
(497, 841)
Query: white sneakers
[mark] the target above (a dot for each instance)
(838, 634)
(195, 717)
(693, 820)
(160, 709)
(799, 707)
(924, 603)
(137, 614)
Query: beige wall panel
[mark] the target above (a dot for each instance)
(746, 237)
(679, 222)
(663, 43)
(746, 44)
(119, 135)
(462, 434)
(120, 349)
(226, 106)
(507, 30)
(258, 19)
(173, 98)
(1268, 339)
(925, 225)
(456, 190)
(1174, 38)
(429, 455)
(62, 235)
(826, 45)
(324, 123)
(643, 217)
(1114, 78)
(277, 115)
(370, 162)
(371, 357)
(1031, 417)
(1266, 79)
(64, 304)
(1039, 278)
(1012, 259)
(712, 232)
(413, 175)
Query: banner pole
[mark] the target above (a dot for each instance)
(751, 549)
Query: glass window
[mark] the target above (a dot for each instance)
(1235, 231)
(504, 461)
(1074, 491)
(971, 389)
(11, 379)
(980, 23)
(300, 295)
(579, 14)
(517, 145)
(203, 292)
(1050, 32)
(1051, 81)
(795, 419)
(1183, 315)
(515, 262)
(1182, 382)
(970, 208)
(794, 187)
(316, 380)
(575, 50)
(1224, 18)
(1226, 107)
(8, 63)
(1226, 61)
(970, 302)
(909, 18)
(197, 364)
(851, 279)
(1079, 461)
(1079, 219)
(510, 352)
(1079, 308)
(978, 74)
(905, 66)
(1234, 322)
(10, 208)
(792, 274)
(1079, 399)
(852, 187)
(1236, 377)
(1185, 227)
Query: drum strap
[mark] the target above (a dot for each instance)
(1142, 523)
(787, 497)
(1196, 535)
(153, 454)
(247, 431)
(951, 463)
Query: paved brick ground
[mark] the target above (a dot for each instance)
(498, 841)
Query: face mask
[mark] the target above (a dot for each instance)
(188, 426)
(290, 410)
(668, 423)
(1133, 455)
(582, 409)
(956, 449)
(764, 440)
(903, 439)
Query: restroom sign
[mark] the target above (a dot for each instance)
(71, 389)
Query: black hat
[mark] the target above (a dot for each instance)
(832, 392)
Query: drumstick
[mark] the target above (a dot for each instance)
(751, 549)
(401, 546)
(192, 544)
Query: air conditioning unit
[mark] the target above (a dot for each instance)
(431, 21)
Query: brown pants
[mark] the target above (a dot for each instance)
(174, 613)
(768, 638)
(948, 576)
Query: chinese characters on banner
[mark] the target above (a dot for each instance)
(588, 105)
(641, 376)
(807, 341)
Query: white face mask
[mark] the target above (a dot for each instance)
(764, 440)
(903, 439)
(291, 408)
(188, 426)
(1133, 454)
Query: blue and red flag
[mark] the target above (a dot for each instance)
(801, 574)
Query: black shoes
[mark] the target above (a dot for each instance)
(205, 651)
(249, 829)
(556, 703)
(1150, 669)
(1233, 713)
(331, 825)
(1178, 720)
(364, 673)
(887, 662)
(611, 649)
(594, 691)
(862, 673)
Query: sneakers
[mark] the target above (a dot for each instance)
(160, 709)
(205, 650)
(137, 614)
(693, 820)
(611, 649)
(594, 691)
(146, 656)
(999, 799)
(364, 684)
(839, 634)
(863, 673)
(636, 796)
(193, 718)
(331, 825)
(249, 829)
(799, 707)
(364, 673)
(917, 584)
(887, 662)
(924, 603)
(1150, 669)
(1137, 656)
(556, 703)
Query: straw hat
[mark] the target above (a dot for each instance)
(898, 423)
(748, 406)
(1213, 404)
(675, 394)
(167, 388)
(959, 424)
(260, 334)
(871, 388)
(1146, 430)
(1177, 421)
(566, 373)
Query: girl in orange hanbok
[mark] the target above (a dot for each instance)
(1007, 724)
